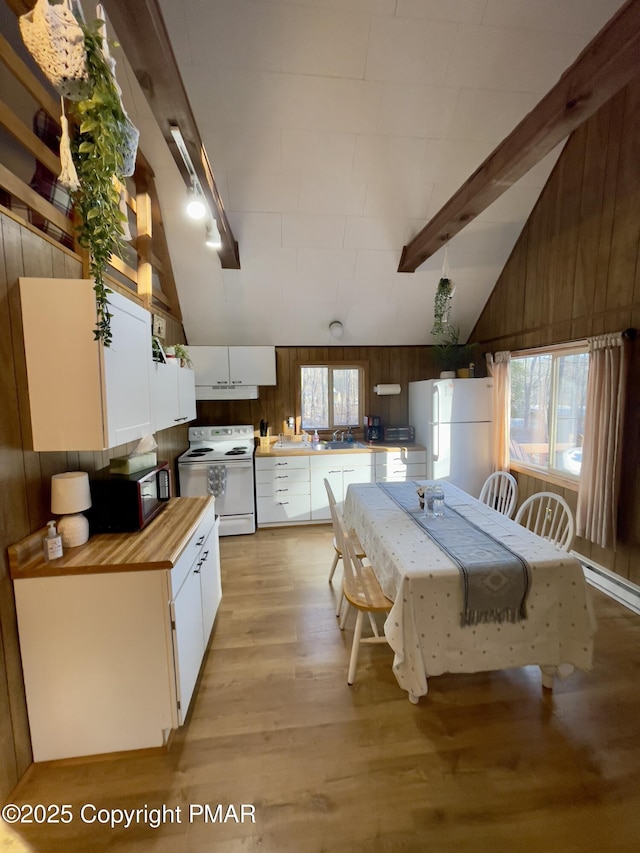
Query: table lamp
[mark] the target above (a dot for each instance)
(70, 495)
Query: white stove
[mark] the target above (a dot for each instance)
(219, 462)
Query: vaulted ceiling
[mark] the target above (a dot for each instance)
(336, 129)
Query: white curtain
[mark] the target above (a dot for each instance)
(499, 367)
(602, 446)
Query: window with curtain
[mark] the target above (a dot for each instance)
(548, 407)
(331, 396)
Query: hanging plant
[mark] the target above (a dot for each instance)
(97, 154)
(442, 309)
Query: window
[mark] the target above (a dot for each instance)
(548, 397)
(330, 395)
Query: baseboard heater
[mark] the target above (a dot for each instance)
(620, 589)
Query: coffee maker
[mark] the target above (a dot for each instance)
(372, 428)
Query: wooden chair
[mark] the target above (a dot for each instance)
(550, 516)
(333, 508)
(362, 592)
(500, 492)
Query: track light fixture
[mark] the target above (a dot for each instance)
(213, 239)
(196, 207)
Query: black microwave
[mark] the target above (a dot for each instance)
(123, 503)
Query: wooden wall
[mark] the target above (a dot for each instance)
(25, 476)
(384, 365)
(575, 271)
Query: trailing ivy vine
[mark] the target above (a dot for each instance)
(97, 154)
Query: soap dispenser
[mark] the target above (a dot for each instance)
(52, 542)
(316, 438)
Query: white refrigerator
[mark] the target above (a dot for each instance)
(453, 418)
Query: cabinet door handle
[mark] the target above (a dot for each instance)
(204, 557)
(283, 503)
(282, 490)
(236, 381)
(282, 463)
(196, 571)
(200, 541)
(336, 472)
(348, 470)
(281, 477)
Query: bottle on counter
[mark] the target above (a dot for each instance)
(316, 438)
(52, 542)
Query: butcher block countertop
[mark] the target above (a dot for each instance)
(305, 450)
(157, 546)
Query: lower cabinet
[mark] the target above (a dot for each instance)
(340, 470)
(111, 659)
(401, 465)
(283, 489)
(193, 611)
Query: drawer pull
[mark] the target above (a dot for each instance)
(204, 556)
(281, 477)
(200, 541)
(282, 463)
(339, 471)
(348, 470)
(282, 490)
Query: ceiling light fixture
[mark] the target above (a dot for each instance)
(336, 329)
(213, 239)
(197, 207)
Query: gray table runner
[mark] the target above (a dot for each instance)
(495, 578)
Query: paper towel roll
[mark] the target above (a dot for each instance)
(386, 389)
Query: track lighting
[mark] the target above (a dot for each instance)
(196, 207)
(213, 239)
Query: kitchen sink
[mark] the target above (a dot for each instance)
(342, 445)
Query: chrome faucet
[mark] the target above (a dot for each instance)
(338, 433)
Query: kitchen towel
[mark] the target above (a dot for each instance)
(216, 480)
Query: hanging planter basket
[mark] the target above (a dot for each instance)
(442, 309)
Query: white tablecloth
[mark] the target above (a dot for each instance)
(423, 627)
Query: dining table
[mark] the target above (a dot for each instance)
(425, 627)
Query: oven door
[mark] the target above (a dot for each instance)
(238, 496)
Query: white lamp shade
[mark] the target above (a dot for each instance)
(70, 492)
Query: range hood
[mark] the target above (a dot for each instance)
(226, 392)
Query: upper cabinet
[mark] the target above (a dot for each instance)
(173, 394)
(83, 395)
(230, 366)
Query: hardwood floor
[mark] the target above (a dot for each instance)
(485, 762)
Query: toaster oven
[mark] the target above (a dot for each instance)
(399, 433)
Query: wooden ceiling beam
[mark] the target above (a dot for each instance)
(605, 66)
(143, 35)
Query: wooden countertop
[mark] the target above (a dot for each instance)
(308, 451)
(157, 546)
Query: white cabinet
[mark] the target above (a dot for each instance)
(83, 395)
(223, 366)
(340, 469)
(173, 394)
(401, 465)
(196, 594)
(111, 659)
(283, 492)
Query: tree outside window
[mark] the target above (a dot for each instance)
(548, 399)
(330, 396)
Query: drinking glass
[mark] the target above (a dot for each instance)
(438, 501)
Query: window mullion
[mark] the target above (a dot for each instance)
(553, 412)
